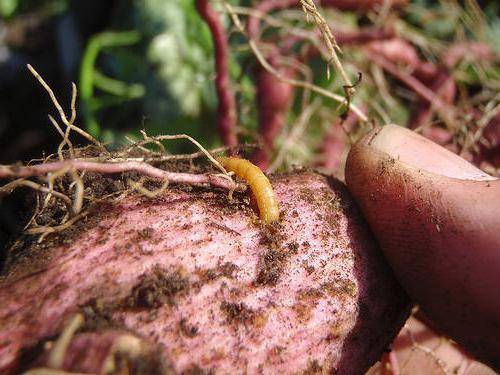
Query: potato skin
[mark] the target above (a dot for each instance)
(201, 278)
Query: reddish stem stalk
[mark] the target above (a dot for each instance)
(274, 98)
(332, 149)
(111, 168)
(414, 84)
(226, 112)
(359, 5)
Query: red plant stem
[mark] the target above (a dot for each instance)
(226, 112)
(362, 36)
(417, 86)
(266, 6)
(110, 168)
(443, 84)
(475, 50)
(359, 5)
(332, 149)
(274, 98)
(434, 85)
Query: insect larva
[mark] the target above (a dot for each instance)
(259, 184)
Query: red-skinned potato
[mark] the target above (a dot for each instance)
(199, 284)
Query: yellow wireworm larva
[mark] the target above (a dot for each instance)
(259, 184)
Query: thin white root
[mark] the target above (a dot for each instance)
(139, 187)
(8, 188)
(53, 172)
(51, 371)
(79, 188)
(58, 352)
(157, 140)
(129, 345)
(297, 130)
(45, 231)
(64, 119)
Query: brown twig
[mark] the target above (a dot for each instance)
(226, 113)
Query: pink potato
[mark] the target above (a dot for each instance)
(191, 282)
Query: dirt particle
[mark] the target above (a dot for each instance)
(187, 329)
(208, 275)
(309, 269)
(336, 330)
(158, 287)
(302, 312)
(270, 267)
(341, 287)
(145, 234)
(237, 313)
(312, 294)
(98, 315)
(228, 269)
(293, 247)
(313, 368)
(186, 226)
(197, 370)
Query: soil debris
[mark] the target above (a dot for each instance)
(238, 313)
(156, 288)
(186, 329)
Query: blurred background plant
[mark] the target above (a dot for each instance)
(149, 65)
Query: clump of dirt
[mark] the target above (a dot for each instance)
(158, 287)
(341, 287)
(206, 276)
(273, 261)
(186, 329)
(270, 267)
(238, 313)
(313, 368)
(26, 255)
(197, 370)
(98, 315)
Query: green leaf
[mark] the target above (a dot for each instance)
(8, 8)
